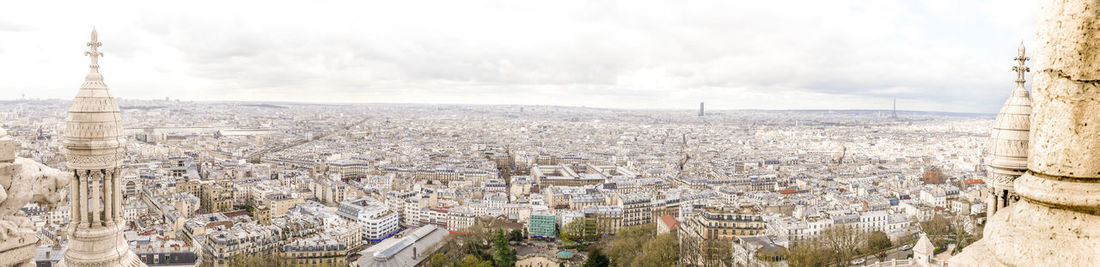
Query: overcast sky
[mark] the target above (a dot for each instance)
(931, 55)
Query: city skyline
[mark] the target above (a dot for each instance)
(930, 56)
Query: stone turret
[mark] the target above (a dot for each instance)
(1008, 143)
(923, 251)
(93, 152)
(1057, 220)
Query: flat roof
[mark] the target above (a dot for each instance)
(400, 251)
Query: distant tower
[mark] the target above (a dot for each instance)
(701, 109)
(895, 108)
(1008, 143)
(93, 153)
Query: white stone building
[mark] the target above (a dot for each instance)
(377, 221)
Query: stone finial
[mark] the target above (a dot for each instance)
(1021, 66)
(93, 51)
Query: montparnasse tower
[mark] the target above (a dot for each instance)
(93, 153)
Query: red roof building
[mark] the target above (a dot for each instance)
(667, 224)
(974, 181)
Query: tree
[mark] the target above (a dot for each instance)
(438, 260)
(503, 255)
(573, 231)
(628, 243)
(962, 238)
(257, 259)
(664, 250)
(842, 241)
(477, 243)
(807, 253)
(516, 235)
(690, 247)
(877, 241)
(596, 259)
(717, 252)
(937, 228)
(471, 260)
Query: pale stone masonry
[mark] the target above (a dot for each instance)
(1008, 143)
(93, 152)
(1056, 222)
(22, 181)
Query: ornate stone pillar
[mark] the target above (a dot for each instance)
(84, 200)
(97, 204)
(108, 199)
(991, 201)
(117, 182)
(74, 201)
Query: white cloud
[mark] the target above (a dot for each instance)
(936, 55)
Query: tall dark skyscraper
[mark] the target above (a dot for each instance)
(700, 109)
(895, 108)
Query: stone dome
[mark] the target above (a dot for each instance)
(1008, 143)
(93, 130)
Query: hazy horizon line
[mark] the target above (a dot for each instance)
(514, 105)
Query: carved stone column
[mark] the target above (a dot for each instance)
(108, 199)
(96, 197)
(117, 182)
(74, 201)
(84, 200)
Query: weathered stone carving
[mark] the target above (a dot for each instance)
(32, 182)
(21, 181)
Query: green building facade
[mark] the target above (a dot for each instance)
(542, 224)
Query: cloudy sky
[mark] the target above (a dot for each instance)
(938, 55)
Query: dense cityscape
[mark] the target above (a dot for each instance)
(217, 182)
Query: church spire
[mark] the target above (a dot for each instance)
(1021, 68)
(93, 51)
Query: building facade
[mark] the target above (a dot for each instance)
(542, 224)
(375, 218)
